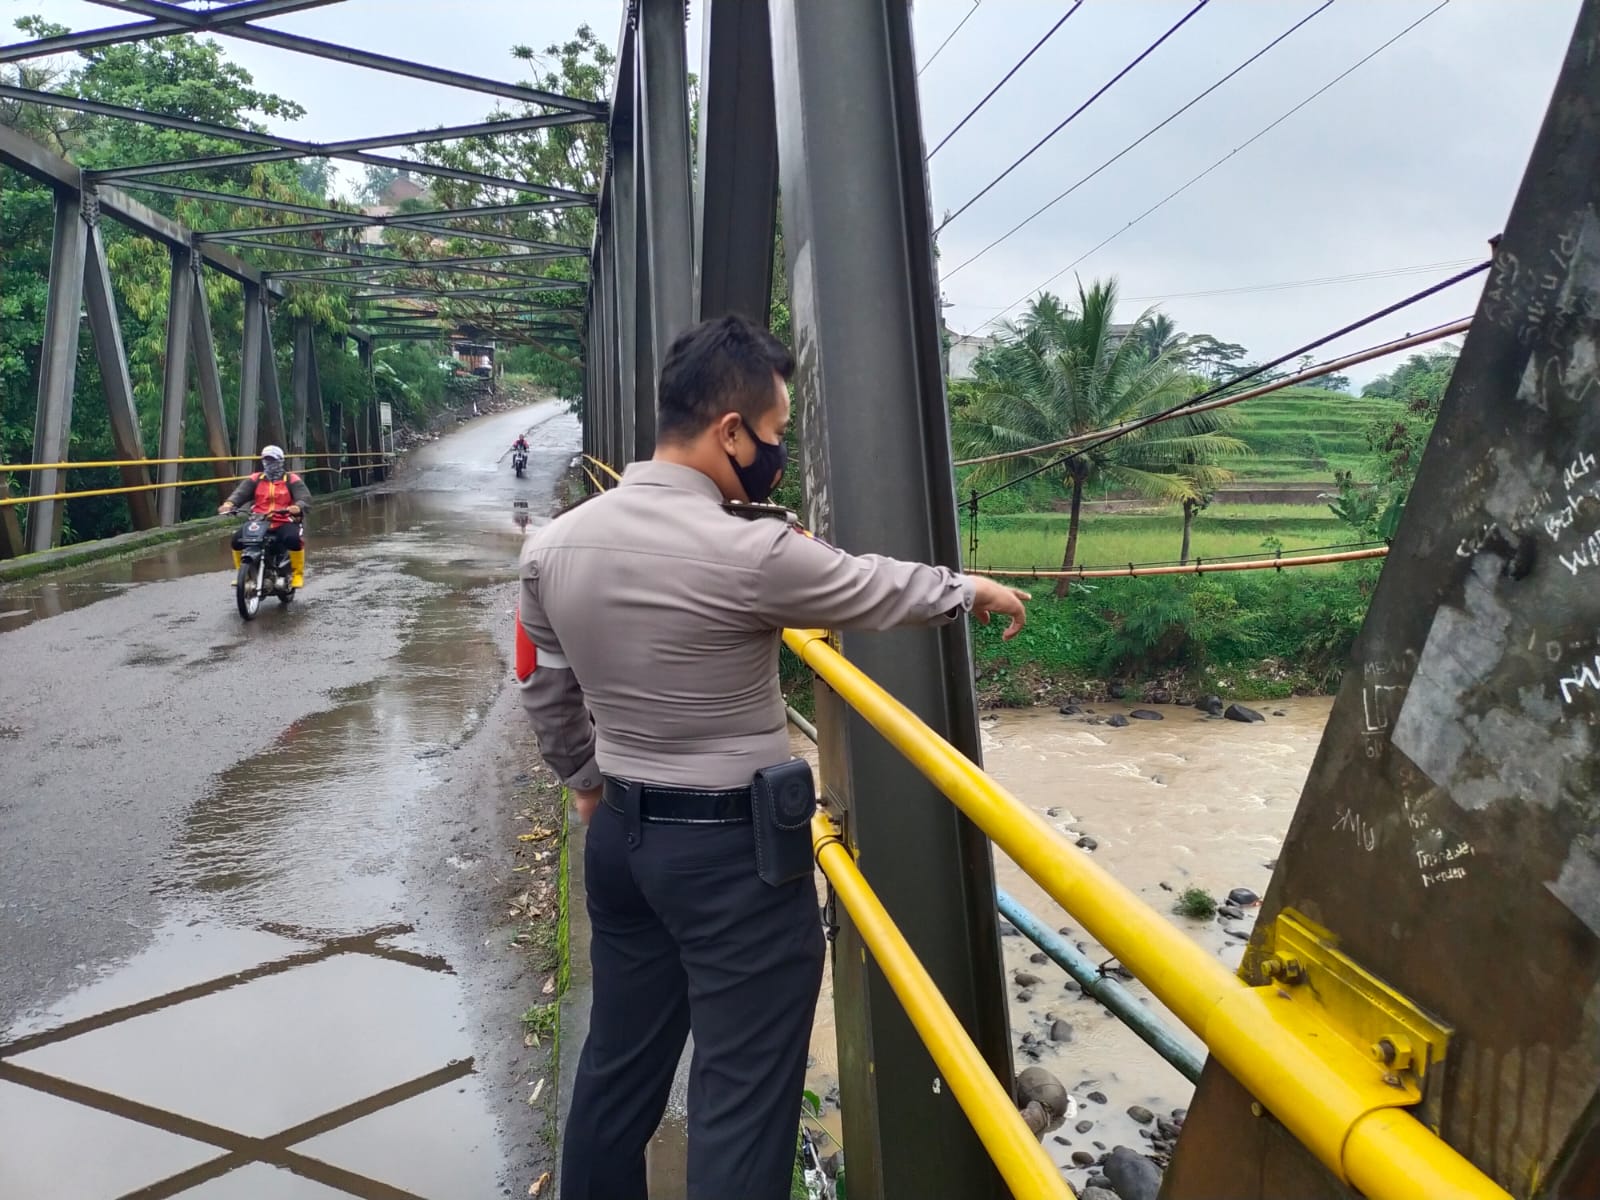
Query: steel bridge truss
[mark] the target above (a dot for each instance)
(508, 288)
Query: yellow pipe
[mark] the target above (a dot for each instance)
(12, 501)
(1335, 1103)
(604, 467)
(598, 486)
(18, 468)
(1021, 1160)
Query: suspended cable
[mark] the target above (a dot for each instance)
(1229, 385)
(1073, 115)
(1323, 281)
(1050, 33)
(1437, 333)
(1179, 191)
(1198, 567)
(1149, 133)
(948, 37)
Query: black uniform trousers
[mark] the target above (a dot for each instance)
(687, 937)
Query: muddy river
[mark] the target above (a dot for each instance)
(1182, 802)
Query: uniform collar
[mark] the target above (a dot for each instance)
(671, 475)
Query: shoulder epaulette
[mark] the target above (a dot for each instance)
(752, 512)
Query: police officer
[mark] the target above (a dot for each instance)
(648, 633)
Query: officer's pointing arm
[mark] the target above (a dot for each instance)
(807, 583)
(551, 696)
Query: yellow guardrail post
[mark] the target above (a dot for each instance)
(1021, 1160)
(1335, 1102)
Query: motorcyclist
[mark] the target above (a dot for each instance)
(520, 444)
(282, 494)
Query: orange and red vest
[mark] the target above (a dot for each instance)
(273, 495)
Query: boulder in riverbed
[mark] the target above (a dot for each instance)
(1070, 710)
(1026, 979)
(1060, 1031)
(1245, 716)
(1242, 897)
(1210, 705)
(1132, 1175)
(1141, 1114)
(1117, 721)
(1146, 714)
(1088, 843)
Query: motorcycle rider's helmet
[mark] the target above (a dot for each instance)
(272, 452)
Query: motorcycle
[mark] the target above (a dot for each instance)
(519, 461)
(264, 567)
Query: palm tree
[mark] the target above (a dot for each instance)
(1159, 335)
(1058, 374)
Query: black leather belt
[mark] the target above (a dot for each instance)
(681, 806)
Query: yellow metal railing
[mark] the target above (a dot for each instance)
(1017, 1154)
(1334, 1100)
(14, 501)
(19, 468)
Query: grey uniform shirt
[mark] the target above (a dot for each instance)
(658, 614)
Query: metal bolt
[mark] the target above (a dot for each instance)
(1293, 972)
(1255, 1108)
(1272, 968)
(1393, 1050)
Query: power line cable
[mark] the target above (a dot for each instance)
(1073, 115)
(1243, 145)
(1149, 133)
(1321, 281)
(1077, 4)
(1228, 385)
(948, 37)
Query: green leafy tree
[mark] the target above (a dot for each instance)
(1059, 373)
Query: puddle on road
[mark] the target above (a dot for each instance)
(347, 1055)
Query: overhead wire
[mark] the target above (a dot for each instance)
(1021, 62)
(1228, 385)
(1348, 71)
(1320, 281)
(1144, 137)
(1074, 114)
(928, 62)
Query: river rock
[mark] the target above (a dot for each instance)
(1070, 710)
(1098, 1098)
(1243, 897)
(1039, 959)
(1237, 935)
(1082, 1158)
(1097, 1193)
(1146, 714)
(1065, 931)
(1060, 1031)
(1180, 1115)
(1245, 716)
(1053, 811)
(1117, 721)
(1061, 1141)
(1037, 1084)
(1024, 996)
(1168, 1129)
(1158, 695)
(1278, 712)
(1025, 979)
(1007, 929)
(1228, 912)
(1095, 720)
(1132, 1175)
(1088, 843)
(1210, 705)
(1141, 1114)
(1084, 1126)
(1101, 1182)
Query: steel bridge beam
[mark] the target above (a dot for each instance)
(736, 192)
(253, 347)
(275, 429)
(208, 378)
(58, 367)
(1447, 835)
(175, 381)
(362, 58)
(662, 119)
(101, 305)
(442, 267)
(295, 150)
(636, 392)
(862, 285)
(250, 137)
(139, 31)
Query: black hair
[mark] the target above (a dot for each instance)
(718, 366)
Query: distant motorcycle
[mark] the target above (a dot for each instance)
(519, 462)
(264, 567)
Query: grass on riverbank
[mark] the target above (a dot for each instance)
(1029, 540)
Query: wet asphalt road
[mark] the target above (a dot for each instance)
(185, 797)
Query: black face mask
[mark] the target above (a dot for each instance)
(762, 475)
(272, 468)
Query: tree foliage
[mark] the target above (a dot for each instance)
(1059, 372)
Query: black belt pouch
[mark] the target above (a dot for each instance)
(782, 799)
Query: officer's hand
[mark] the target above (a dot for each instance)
(225, 509)
(585, 803)
(294, 510)
(992, 597)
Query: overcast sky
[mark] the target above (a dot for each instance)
(1411, 161)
